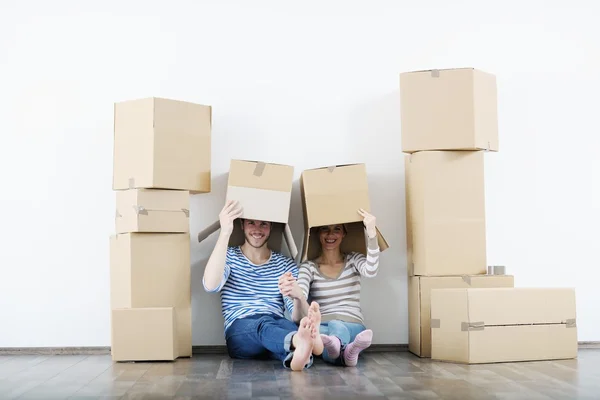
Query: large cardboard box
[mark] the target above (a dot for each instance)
(333, 195)
(448, 109)
(503, 324)
(419, 303)
(144, 334)
(152, 210)
(162, 144)
(445, 213)
(264, 191)
(153, 270)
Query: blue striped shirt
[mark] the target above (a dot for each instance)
(248, 289)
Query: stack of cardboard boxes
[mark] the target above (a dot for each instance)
(457, 310)
(162, 155)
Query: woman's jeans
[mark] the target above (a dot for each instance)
(262, 336)
(345, 331)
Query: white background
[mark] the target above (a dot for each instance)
(309, 84)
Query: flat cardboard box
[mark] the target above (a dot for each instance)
(264, 191)
(445, 213)
(333, 195)
(153, 270)
(419, 303)
(162, 144)
(144, 334)
(448, 109)
(152, 210)
(503, 324)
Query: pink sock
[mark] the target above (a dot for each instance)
(361, 342)
(332, 345)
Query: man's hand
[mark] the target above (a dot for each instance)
(369, 222)
(228, 214)
(288, 286)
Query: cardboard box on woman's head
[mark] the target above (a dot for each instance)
(333, 195)
(264, 191)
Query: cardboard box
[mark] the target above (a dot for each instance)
(144, 334)
(419, 303)
(162, 144)
(445, 213)
(264, 191)
(333, 195)
(503, 324)
(152, 210)
(448, 109)
(153, 270)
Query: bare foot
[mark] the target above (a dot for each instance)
(314, 313)
(303, 344)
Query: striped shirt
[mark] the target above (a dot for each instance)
(339, 298)
(249, 289)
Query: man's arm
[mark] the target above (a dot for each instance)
(215, 272)
(290, 287)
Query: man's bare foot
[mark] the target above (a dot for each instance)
(303, 344)
(314, 313)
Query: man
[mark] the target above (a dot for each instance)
(251, 279)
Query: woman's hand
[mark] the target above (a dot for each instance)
(369, 222)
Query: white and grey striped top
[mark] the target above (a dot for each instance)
(339, 298)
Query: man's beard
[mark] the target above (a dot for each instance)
(249, 239)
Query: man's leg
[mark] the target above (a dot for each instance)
(287, 342)
(242, 339)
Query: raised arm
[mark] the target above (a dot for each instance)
(368, 265)
(215, 273)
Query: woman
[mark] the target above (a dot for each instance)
(333, 281)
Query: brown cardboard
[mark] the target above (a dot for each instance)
(152, 210)
(333, 195)
(144, 334)
(153, 270)
(264, 190)
(445, 213)
(162, 144)
(448, 109)
(503, 324)
(419, 303)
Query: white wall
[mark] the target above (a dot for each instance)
(307, 85)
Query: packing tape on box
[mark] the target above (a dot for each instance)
(186, 212)
(467, 279)
(496, 270)
(140, 210)
(571, 323)
(131, 183)
(260, 168)
(117, 214)
(435, 323)
(472, 326)
(435, 73)
(331, 168)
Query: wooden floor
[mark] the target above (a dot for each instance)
(378, 375)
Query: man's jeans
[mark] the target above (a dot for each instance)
(345, 331)
(262, 336)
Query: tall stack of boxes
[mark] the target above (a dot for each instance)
(162, 155)
(449, 121)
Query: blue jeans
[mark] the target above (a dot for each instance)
(262, 336)
(345, 331)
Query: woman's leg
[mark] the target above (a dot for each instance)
(360, 339)
(334, 336)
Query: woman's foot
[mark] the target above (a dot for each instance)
(361, 342)
(303, 345)
(314, 314)
(332, 344)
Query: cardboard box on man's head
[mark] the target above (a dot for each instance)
(333, 195)
(264, 191)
